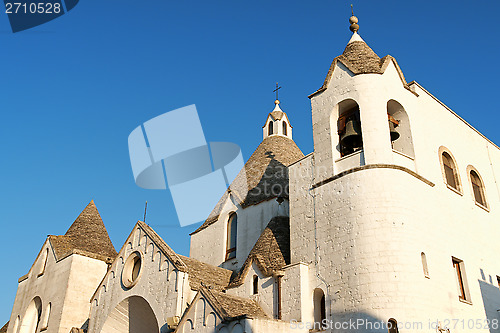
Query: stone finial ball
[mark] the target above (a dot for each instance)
(354, 27)
(276, 102)
(353, 20)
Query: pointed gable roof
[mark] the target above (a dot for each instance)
(87, 236)
(267, 166)
(359, 58)
(227, 307)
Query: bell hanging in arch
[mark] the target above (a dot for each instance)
(393, 123)
(351, 139)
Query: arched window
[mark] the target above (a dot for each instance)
(255, 285)
(284, 128)
(319, 308)
(477, 188)
(270, 128)
(46, 316)
(232, 226)
(43, 261)
(31, 318)
(450, 171)
(392, 326)
(424, 264)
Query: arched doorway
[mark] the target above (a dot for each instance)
(132, 315)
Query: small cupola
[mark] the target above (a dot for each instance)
(277, 123)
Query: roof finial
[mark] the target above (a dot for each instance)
(354, 21)
(276, 91)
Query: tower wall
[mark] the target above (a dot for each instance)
(362, 225)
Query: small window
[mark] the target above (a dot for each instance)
(450, 171)
(319, 309)
(43, 261)
(498, 281)
(477, 188)
(424, 264)
(392, 326)
(255, 285)
(45, 321)
(232, 228)
(463, 290)
(270, 128)
(284, 128)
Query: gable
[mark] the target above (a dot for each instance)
(152, 247)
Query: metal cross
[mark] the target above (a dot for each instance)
(276, 90)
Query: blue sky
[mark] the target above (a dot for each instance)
(73, 89)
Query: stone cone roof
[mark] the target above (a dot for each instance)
(267, 167)
(87, 235)
(359, 58)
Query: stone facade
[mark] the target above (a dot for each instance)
(398, 231)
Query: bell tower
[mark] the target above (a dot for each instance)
(277, 123)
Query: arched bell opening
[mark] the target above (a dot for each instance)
(399, 127)
(350, 139)
(132, 315)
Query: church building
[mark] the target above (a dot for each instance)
(387, 226)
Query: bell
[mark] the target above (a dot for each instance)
(394, 133)
(352, 136)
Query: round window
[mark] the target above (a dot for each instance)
(132, 270)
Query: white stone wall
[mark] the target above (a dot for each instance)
(363, 233)
(160, 284)
(67, 285)
(266, 296)
(209, 245)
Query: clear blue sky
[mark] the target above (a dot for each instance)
(73, 89)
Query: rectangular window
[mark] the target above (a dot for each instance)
(463, 289)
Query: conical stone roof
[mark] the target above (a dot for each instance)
(87, 235)
(264, 176)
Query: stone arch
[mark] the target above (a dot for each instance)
(404, 144)
(211, 322)
(343, 112)
(144, 241)
(164, 266)
(32, 316)
(319, 306)
(157, 257)
(137, 237)
(200, 312)
(132, 315)
(189, 326)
